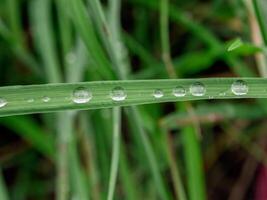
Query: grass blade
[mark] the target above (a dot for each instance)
(260, 11)
(44, 38)
(135, 117)
(3, 189)
(194, 163)
(31, 132)
(115, 152)
(31, 99)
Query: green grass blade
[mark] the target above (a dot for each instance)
(14, 20)
(3, 189)
(135, 117)
(31, 132)
(261, 14)
(115, 152)
(176, 177)
(127, 178)
(33, 98)
(194, 164)
(84, 26)
(165, 41)
(44, 38)
(78, 184)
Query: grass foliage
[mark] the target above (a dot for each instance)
(124, 63)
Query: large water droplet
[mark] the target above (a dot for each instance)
(46, 99)
(3, 102)
(81, 95)
(158, 93)
(197, 89)
(118, 94)
(179, 91)
(239, 87)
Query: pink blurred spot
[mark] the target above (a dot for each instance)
(261, 184)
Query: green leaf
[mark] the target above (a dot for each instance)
(235, 44)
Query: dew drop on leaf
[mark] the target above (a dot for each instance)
(179, 91)
(118, 94)
(197, 89)
(30, 100)
(46, 99)
(81, 95)
(158, 93)
(3, 102)
(239, 87)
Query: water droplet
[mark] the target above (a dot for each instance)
(158, 93)
(81, 95)
(239, 87)
(197, 89)
(211, 97)
(179, 91)
(222, 94)
(46, 99)
(3, 102)
(30, 100)
(118, 94)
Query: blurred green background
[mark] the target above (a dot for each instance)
(206, 149)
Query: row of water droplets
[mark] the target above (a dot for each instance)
(4, 102)
(82, 95)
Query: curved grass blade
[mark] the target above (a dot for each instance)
(15, 100)
(27, 128)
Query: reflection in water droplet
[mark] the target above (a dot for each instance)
(81, 95)
(158, 93)
(118, 94)
(3, 102)
(179, 91)
(197, 89)
(46, 99)
(239, 87)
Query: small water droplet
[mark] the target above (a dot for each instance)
(179, 91)
(81, 95)
(211, 97)
(3, 102)
(197, 89)
(239, 87)
(158, 93)
(30, 100)
(222, 94)
(118, 94)
(46, 99)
